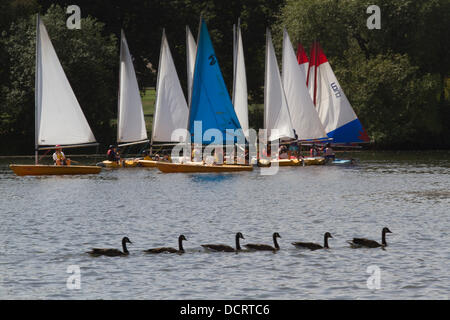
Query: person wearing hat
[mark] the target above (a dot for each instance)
(113, 154)
(59, 157)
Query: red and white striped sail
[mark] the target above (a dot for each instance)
(302, 60)
(335, 112)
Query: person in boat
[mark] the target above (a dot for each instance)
(313, 152)
(145, 155)
(113, 154)
(242, 157)
(266, 152)
(283, 152)
(196, 153)
(218, 155)
(328, 152)
(59, 157)
(294, 149)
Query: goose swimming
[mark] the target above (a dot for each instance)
(224, 247)
(362, 242)
(266, 247)
(169, 249)
(314, 246)
(112, 252)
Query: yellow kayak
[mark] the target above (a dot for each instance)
(168, 167)
(44, 170)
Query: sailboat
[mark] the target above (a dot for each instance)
(59, 119)
(335, 112)
(130, 115)
(277, 118)
(304, 117)
(240, 96)
(171, 110)
(211, 104)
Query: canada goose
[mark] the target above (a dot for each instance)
(253, 246)
(362, 242)
(169, 249)
(112, 252)
(224, 247)
(314, 246)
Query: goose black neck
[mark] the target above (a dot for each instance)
(383, 238)
(325, 241)
(124, 246)
(180, 244)
(238, 245)
(275, 242)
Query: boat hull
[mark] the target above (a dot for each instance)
(147, 163)
(281, 162)
(45, 170)
(168, 167)
(309, 161)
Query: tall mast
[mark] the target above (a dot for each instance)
(36, 91)
(157, 86)
(120, 83)
(316, 47)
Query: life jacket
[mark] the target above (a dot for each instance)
(59, 156)
(112, 156)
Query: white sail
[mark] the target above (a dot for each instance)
(240, 83)
(276, 112)
(171, 110)
(131, 123)
(191, 50)
(59, 118)
(312, 76)
(304, 117)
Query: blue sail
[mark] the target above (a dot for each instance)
(211, 103)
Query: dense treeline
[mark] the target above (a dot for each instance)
(396, 78)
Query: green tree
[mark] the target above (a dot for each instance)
(395, 76)
(89, 60)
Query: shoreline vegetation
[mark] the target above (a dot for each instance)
(397, 78)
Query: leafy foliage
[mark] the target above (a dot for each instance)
(395, 76)
(88, 59)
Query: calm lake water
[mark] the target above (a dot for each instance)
(48, 223)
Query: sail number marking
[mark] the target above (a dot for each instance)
(336, 90)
